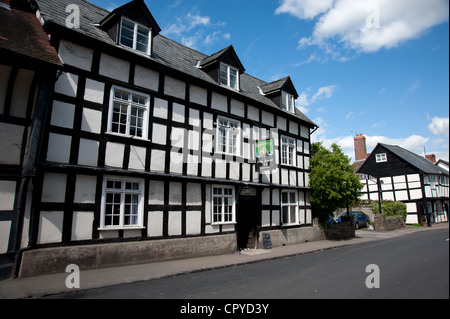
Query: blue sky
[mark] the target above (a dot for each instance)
(376, 67)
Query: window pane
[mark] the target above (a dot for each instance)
(217, 209)
(284, 198)
(222, 140)
(232, 143)
(285, 214)
(223, 74)
(127, 24)
(119, 118)
(136, 122)
(127, 33)
(142, 39)
(292, 214)
(233, 78)
(292, 198)
(131, 209)
(126, 41)
(112, 210)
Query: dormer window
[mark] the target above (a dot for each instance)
(135, 36)
(282, 92)
(287, 102)
(229, 76)
(224, 67)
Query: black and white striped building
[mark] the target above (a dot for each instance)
(146, 140)
(392, 173)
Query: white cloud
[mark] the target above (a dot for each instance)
(194, 29)
(378, 124)
(414, 86)
(196, 20)
(345, 26)
(413, 143)
(322, 93)
(439, 126)
(306, 9)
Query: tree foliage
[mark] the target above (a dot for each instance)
(333, 183)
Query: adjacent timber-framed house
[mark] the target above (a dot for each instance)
(394, 174)
(28, 69)
(151, 149)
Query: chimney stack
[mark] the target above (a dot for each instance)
(5, 4)
(431, 157)
(360, 148)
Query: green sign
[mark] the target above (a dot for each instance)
(264, 148)
(265, 151)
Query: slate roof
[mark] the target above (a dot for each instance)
(277, 85)
(419, 162)
(21, 33)
(165, 51)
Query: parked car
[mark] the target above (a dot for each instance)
(361, 219)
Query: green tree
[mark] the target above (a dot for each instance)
(333, 183)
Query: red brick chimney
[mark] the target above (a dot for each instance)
(431, 157)
(360, 148)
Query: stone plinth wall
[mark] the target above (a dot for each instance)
(383, 223)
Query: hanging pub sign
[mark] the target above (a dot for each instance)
(265, 154)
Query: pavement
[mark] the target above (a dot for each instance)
(39, 286)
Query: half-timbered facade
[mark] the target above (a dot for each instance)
(395, 174)
(146, 139)
(28, 69)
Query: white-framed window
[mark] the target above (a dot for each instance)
(223, 205)
(128, 113)
(228, 136)
(288, 151)
(381, 158)
(135, 36)
(122, 203)
(229, 76)
(287, 102)
(289, 207)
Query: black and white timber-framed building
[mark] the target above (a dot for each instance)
(144, 140)
(392, 173)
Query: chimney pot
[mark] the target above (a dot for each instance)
(431, 157)
(360, 148)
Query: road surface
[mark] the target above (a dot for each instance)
(410, 266)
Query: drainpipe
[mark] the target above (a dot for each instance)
(31, 167)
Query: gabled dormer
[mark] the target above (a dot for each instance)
(224, 67)
(133, 26)
(282, 93)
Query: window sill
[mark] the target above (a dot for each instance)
(129, 136)
(288, 166)
(228, 154)
(223, 224)
(121, 228)
(291, 225)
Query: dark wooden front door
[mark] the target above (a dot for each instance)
(247, 221)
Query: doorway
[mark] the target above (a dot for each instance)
(247, 219)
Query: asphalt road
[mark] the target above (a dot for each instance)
(411, 266)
